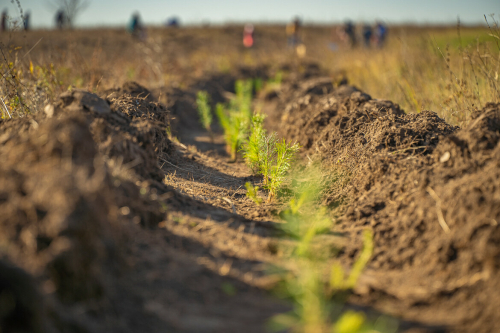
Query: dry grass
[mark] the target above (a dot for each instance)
(452, 71)
(448, 70)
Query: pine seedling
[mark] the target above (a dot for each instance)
(315, 310)
(252, 193)
(338, 278)
(258, 85)
(233, 125)
(252, 146)
(267, 156)
(278, 78)
(275, 82)
(205, 112)
(243, 101)
(283, 156)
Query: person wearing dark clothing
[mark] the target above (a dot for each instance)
(135, 27)
(173, 22)
(60, 19)
(350, 32)
(26, 21)
(292, 32)
(367, 35)
(4, 23)
(380, 34)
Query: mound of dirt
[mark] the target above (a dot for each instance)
(58, 215)
(69, 181)
(21, 304)
(334, 121)
(435, 220)
(429, 191)
(346, 127)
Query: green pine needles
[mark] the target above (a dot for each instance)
(205, 112)
(243, 130)
(253, 193)
(234, 125)
(318, 289)
(235, 117)
(251, 147)
(243, 101)
(281, 159)
(268, 156)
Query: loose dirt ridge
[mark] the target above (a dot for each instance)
(108, 226)
(429, 191)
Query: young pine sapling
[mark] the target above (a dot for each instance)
(282, 155)
(233, 125)
(205, 112)
(253, 193)
(252, 146)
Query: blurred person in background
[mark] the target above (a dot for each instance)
(60, 19)
(248, 35)
(367, 35)
(173, 22)
(26, 21)
(380, 34)
(292, 32)
(4, 23)
(350, 33)
(135, 27)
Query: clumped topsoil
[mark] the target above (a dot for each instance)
(429, 191)
(65, 174)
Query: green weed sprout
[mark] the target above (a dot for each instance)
(252, 193)
(205, 112)
(233, 125)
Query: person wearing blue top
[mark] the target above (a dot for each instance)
(135, 26)
(380, 33)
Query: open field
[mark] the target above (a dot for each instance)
(120, 212)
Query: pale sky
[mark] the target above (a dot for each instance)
(118, 12)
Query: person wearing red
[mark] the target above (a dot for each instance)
(248, 39)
